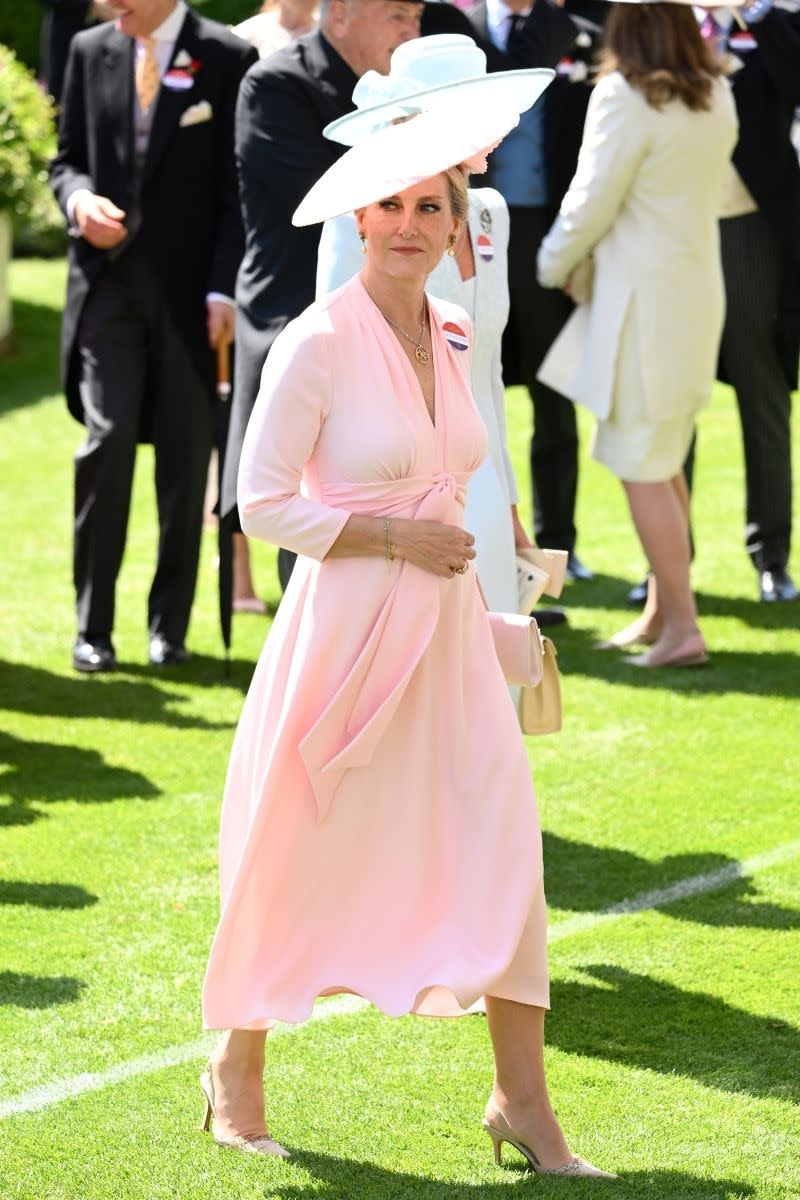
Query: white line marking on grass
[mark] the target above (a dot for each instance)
(694, 886)
(173, 1056)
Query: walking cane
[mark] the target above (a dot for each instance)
(225, 537)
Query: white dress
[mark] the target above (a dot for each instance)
(492, 489)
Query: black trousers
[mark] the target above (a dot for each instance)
(537, 317)
(752, 261)
(134, 369)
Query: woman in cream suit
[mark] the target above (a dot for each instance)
(474, 278)
(641, 353)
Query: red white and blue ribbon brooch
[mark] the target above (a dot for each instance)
(455, 335)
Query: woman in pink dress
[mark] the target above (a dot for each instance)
(379, 827)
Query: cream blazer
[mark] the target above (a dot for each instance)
(644, 200)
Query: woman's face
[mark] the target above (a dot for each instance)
(407, 234)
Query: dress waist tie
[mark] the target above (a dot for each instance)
(351, 726)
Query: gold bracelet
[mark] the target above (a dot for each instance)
(388, 534)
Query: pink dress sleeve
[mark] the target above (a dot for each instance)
(285, 424)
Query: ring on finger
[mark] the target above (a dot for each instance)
(462, 570)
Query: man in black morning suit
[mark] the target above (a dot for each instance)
(285, 102)
(145, 174)
(532, 169)
(760, 239)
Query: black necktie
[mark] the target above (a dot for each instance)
(514, 42)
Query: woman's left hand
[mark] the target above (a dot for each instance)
(521, 539)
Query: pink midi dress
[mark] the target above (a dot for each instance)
(379, 829)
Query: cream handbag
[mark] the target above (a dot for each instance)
(540, 706)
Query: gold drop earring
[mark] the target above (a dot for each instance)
(363, 238)
(451, 246)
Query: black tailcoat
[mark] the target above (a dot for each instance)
(185, 203)
(767, 92)
(286, 100)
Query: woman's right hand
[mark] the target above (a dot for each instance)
(441, 549)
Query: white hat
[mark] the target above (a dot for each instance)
(426, 72)
(399, 156)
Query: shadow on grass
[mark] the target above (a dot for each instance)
(348, 1179)
(753, 613)
(45, 771)
(604, 591)
(730, 672)
(45, 895)
(607, 592)
(201, 670)
(30, 374)
(588, 878)
(38, 991)
(28, 689)
(643, 1022)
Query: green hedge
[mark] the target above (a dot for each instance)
(230, 12)
(27, 143)
(20, 22)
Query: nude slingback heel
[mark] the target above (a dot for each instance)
(260, 1144)
(500, 1131)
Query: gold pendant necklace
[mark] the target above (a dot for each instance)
(420, 353)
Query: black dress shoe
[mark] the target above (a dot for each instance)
(549, 616)
(638, 594)
(92, 653)
(777, 585)
(167, 654)
(576, 569)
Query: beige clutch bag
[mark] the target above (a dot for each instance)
(539, 572)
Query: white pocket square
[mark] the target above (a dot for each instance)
(195, 113)
(182, 59)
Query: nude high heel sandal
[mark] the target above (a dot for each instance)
(258, 1144)
(691, 652)
(500, 1131)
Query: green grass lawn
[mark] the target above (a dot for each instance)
(674, 1038)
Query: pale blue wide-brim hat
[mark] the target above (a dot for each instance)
(398, 156)
(427, 73)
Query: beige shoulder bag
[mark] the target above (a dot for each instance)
(540, 706)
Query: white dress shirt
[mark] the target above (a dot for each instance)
(165, 37)
(498, 20)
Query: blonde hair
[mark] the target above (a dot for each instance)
(457, 192)
(456, 179)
